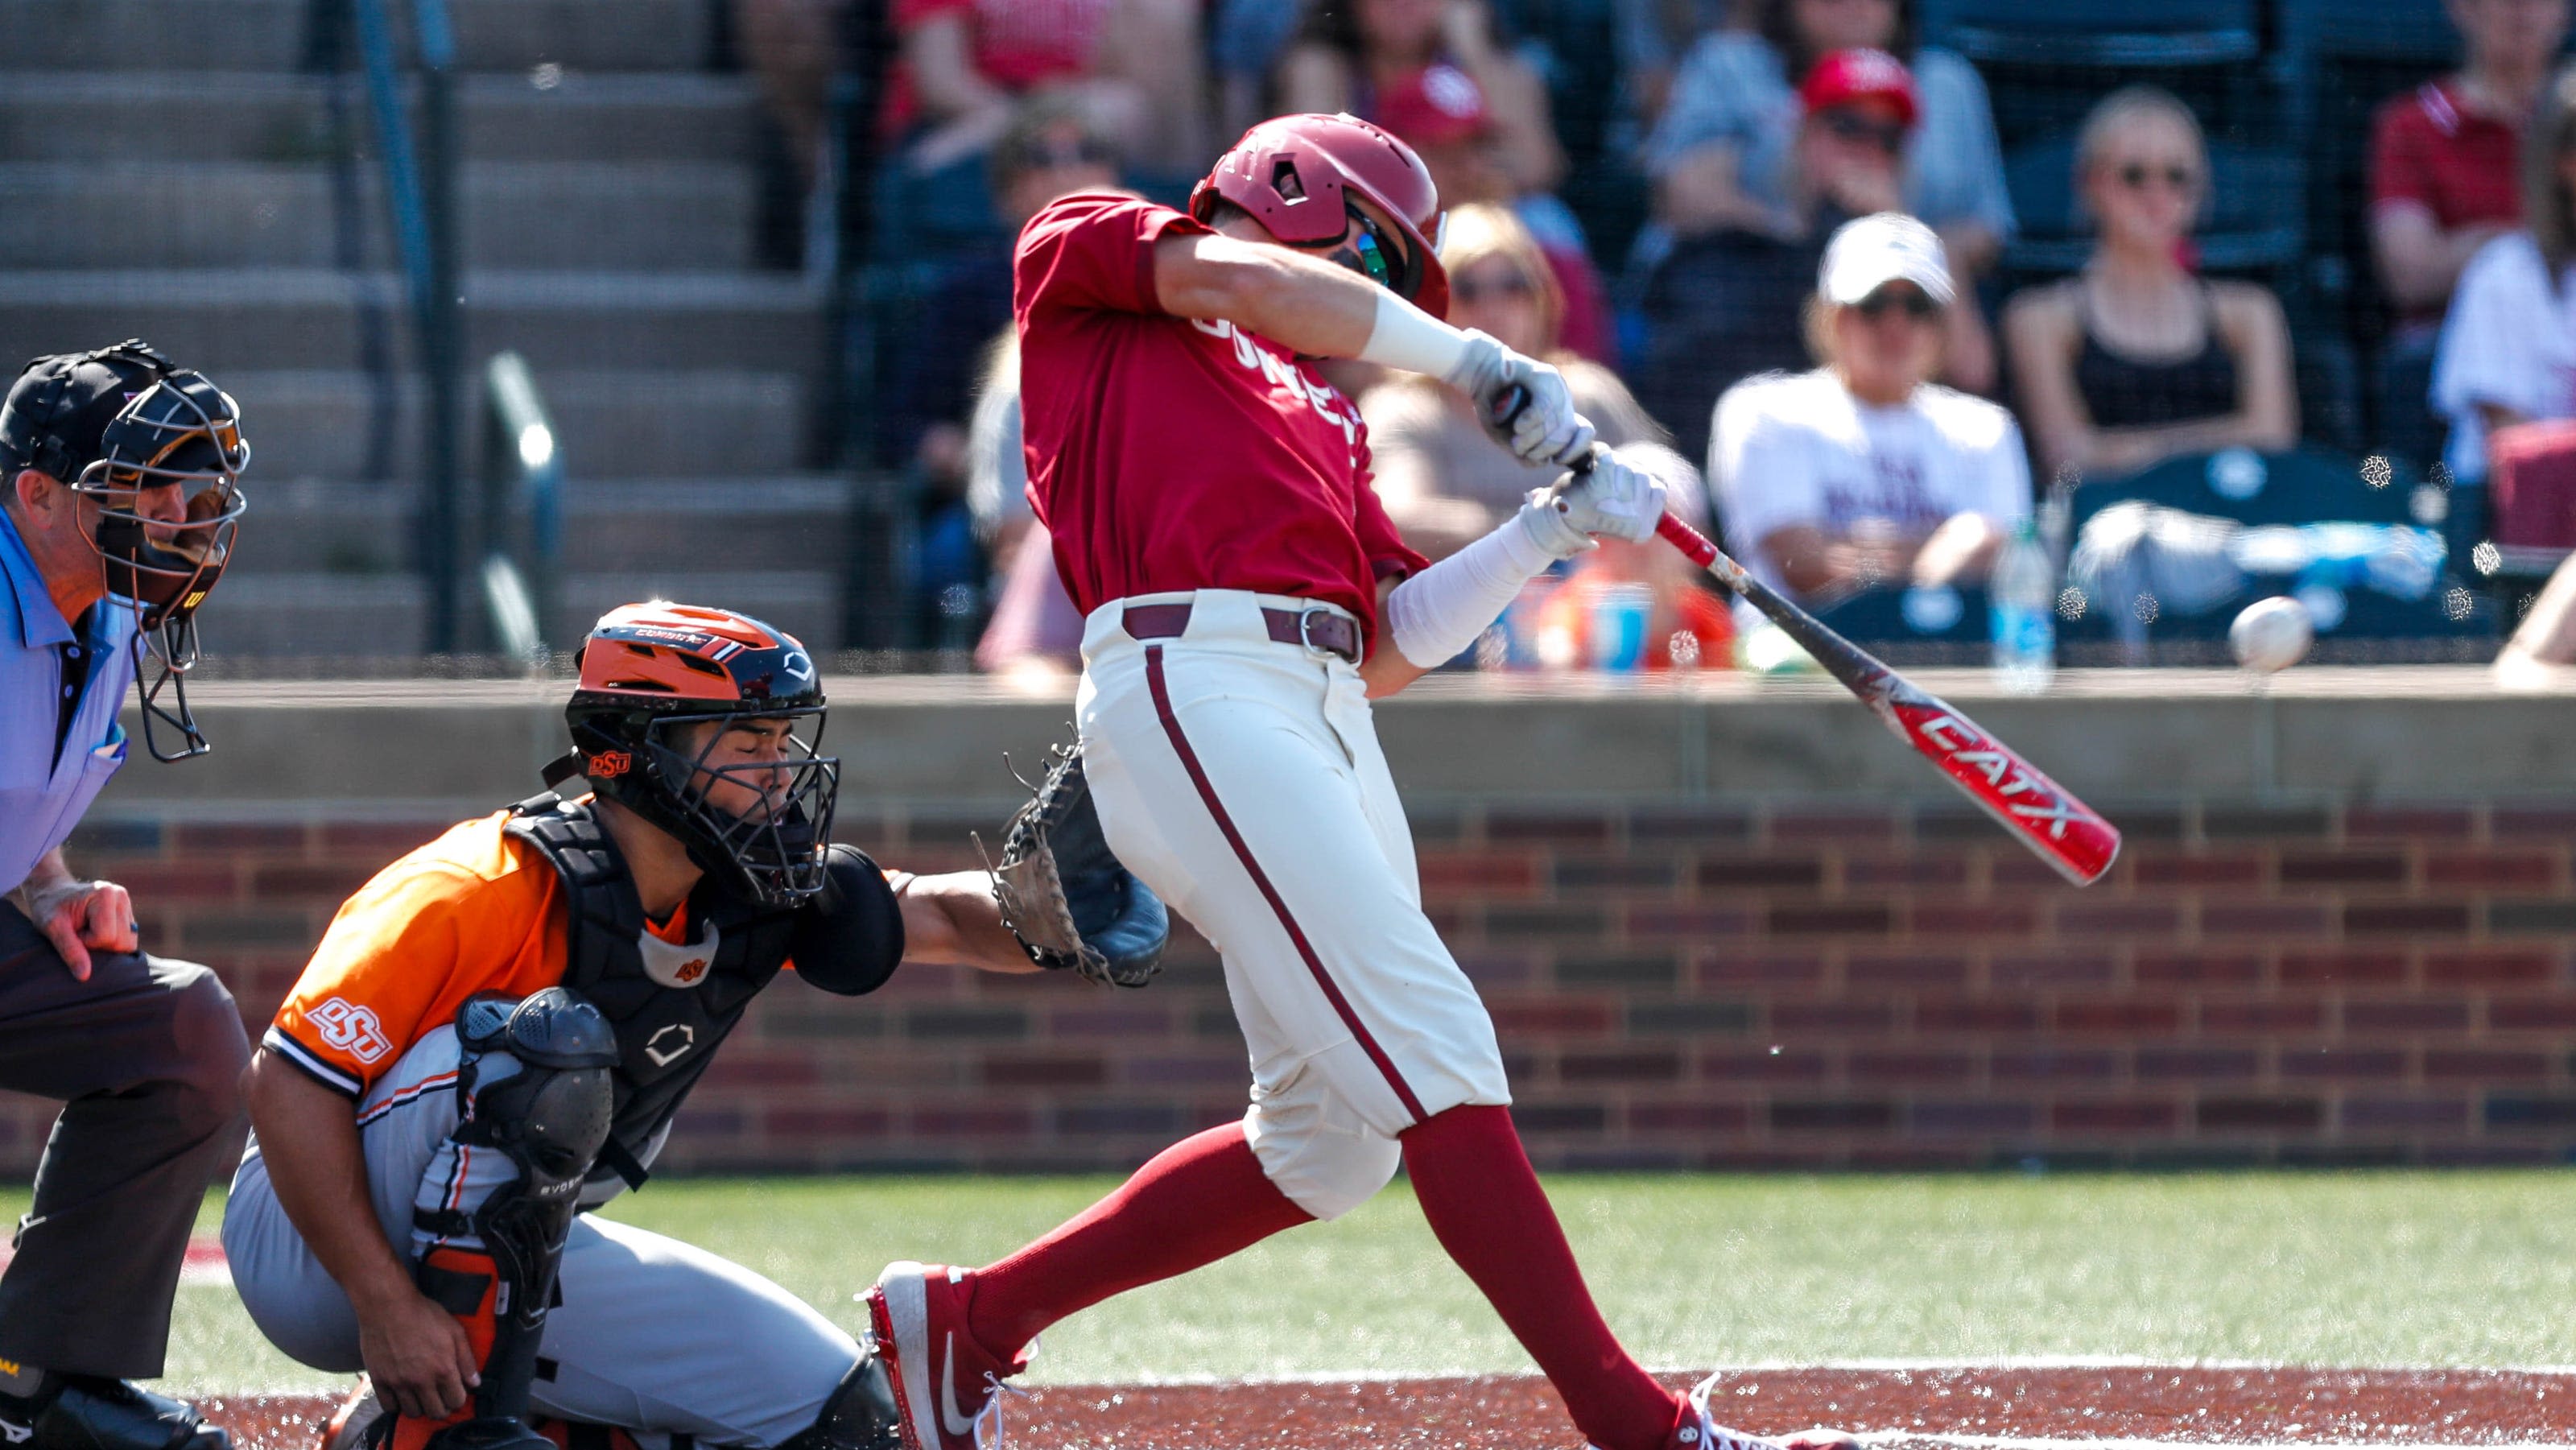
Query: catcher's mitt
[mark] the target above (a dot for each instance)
(1065, 895)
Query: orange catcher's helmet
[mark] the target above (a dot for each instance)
(1296, 176)
(650, 670)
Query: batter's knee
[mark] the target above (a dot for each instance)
(209, 1048)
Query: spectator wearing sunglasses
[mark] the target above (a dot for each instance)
(1443, 481)
(1725, 154)
(2138, 359)
(1864, 471)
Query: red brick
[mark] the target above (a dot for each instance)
(2342, 968)
(2050, 1064)
(2125, 1116)
(990, 1120)
(2410, 1015)
(1635, 1066)
(1568, 826)
(1975, 1015)
(2228, 868)
(2293, 1016)
(1905, 971)
(1654, 922)
(1837, 826)
(2490, 967)
(1842, 1116)
(2213, 1064)
(1652, 1117)
(2362, 1114)
(2020, 868)
(1970, 1117)
(1849, 919)
(2304, 868)
(334, 883)
(1831, 1016)
(2278, 918)
(2552, 823)
(2409, 823)
(1120, 1022)
(1776, 1065)
(2290, 1115)
(826, 1122)
(1456, 873)
(2053, 969)
(2086, 919)
(2419, 918)
(2516, 1014)
(1613, 873)
(1045, 1071)
(1551, 1016)
(1972, 918)
(1870, 1069)
(1771, 969)
(2197, 969)
(1874, 871)
(2494, 870)
(281, 838)
(1733, 871)
(2485, 1066)
(2118, 1016)
(2369, 1064)
(175, 882)
(1150, 1070)
(384, 840)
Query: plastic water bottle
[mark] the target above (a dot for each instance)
(2023, 614)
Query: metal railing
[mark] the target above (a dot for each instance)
(420, 190)
(522, 478)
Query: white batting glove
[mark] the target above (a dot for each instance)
(1611, 500)
(1546, 429)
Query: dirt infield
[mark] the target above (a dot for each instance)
(1893, 1406)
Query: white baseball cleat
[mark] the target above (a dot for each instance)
(1699, 1430)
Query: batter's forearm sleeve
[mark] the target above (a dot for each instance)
(1440, 611)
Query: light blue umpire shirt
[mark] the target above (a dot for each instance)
(44, 791)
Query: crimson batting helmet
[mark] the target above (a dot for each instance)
(1296, 176)
(650, 670)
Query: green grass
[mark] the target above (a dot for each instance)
(2346, 1269)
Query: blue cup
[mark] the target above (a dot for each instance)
(1619, 615)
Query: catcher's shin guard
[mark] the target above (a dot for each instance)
(860, 1415)
(549, 1118)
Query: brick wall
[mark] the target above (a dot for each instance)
(1690, 987)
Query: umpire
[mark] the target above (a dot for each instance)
(123, 494)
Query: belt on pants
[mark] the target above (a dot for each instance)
(1317, 628)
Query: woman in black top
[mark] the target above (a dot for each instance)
(2137, 359)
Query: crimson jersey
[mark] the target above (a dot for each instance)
(1168, 454)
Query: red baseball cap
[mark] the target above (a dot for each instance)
(1848, 76)
(1438, 105)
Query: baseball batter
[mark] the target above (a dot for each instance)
(1209, 498)
(497, 1031)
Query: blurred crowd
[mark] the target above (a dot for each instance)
(1771, 243)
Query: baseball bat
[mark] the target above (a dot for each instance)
(2043, 815)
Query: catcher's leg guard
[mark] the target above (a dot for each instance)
(493, 1265)
(860, 1415)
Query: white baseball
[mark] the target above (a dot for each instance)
(2272, 634)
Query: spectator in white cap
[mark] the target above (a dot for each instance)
(1864, 472)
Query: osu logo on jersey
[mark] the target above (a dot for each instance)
(350, 1029)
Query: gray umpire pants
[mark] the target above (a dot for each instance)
(146, 1057)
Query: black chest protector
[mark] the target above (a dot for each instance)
(666, 1035)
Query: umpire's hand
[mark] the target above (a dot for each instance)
(78, 915)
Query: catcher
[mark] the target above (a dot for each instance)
(496, 1031)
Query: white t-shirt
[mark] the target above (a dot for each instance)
(1798, 448)
(2508, 340)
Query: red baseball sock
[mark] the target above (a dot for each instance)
(1199, 1200)
(1485, 1205)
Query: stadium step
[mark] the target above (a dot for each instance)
(608, 424)
(121, 116)
(304, 318)
(276, 615)
(648, 526)
(268, 35)
(676, 215)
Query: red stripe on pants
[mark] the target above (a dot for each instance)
(1269, 893)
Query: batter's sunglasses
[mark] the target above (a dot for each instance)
(1379, 257)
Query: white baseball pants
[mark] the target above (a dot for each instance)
(652, 1334)
(1241, 779)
